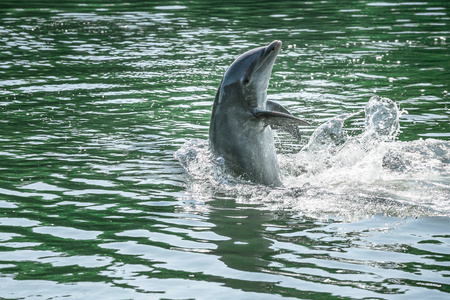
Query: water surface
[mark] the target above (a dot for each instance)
(96, 98)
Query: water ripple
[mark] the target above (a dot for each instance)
(97, 97)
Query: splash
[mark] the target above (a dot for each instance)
(341, 175)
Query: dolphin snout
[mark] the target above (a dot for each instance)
(275, 45)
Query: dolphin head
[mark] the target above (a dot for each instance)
(250, 75)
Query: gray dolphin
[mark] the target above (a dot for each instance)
(240, 132)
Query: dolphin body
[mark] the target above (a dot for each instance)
(240, 132)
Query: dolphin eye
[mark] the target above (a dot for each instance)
(246, 81)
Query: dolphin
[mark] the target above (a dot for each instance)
(240, 132)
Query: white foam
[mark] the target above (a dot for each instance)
(340, 175)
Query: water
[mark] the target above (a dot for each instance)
(96, 98)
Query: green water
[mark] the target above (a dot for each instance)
(95, 99)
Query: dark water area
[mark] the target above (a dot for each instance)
(96, 98)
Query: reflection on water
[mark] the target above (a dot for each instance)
(95, 98)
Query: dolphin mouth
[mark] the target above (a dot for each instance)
(274, 46)
(269, 55)
(271, 51)
(263, 70)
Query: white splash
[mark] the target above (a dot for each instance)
(339, 175)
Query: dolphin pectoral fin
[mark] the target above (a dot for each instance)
(279, 117)
(275, 107)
